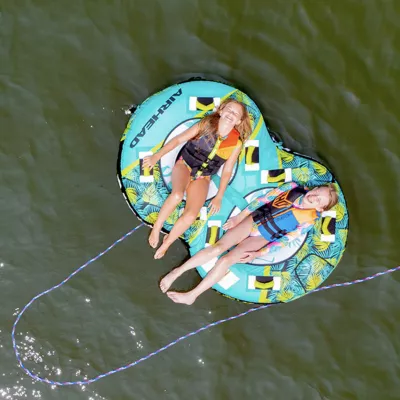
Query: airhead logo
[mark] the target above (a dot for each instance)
(154, 118)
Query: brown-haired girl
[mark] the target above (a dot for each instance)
(215, 141)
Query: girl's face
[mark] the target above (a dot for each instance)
(317, 198)
(231, 113)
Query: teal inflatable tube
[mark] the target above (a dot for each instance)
(263, 164)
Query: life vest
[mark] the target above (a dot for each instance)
(206, 155)
(278, 217)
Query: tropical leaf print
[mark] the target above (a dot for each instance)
(319, 168)
(156, 173)
(286, 158)
(132, 195)
(152, 196)
(302, 252)
(301, 175)
(173, 217)
(152, 217)
(340, 211)
(332, 260)
(285, 296)
(342, 235)
(319, 244)
(318, 264)
(286, 277)
(313, 281)
(195, 229)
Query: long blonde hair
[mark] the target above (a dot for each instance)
(208, 126)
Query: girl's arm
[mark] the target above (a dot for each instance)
(190, 133)
(257, 203)
(284, 241)
(227, 169)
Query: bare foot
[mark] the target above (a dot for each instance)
(162, 250)
(184, 298)
(168, 280)
(154, 237)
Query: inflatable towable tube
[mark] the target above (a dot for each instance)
(263, 164)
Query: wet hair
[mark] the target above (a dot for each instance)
(208, 126)
(333, 196)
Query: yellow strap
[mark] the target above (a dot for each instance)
(266, 285)
(278, 178)
(263, 298)
(325, 226)
(202, 107)
(213, 235)
(249, 155)
(146, 172)
(211, 155)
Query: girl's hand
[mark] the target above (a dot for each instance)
(231, 223)
(215, 205)
(248, 256)
(150, 161)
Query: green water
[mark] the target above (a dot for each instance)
(326, 75)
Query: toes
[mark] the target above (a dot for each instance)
(153, 242)
(163, 287)
(153, 238)
(159, 253)
(156, 255)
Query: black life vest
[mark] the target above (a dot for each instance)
(206, 155)
(266, 214)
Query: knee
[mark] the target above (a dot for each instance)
(228, 259)
(177, 196)
(189, 216)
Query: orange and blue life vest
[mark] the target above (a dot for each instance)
(280, 216)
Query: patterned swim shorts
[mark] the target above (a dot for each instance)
(192, 178)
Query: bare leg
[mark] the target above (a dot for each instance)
(219, 270)
(230, 238)
(196, 194)
(180, 179)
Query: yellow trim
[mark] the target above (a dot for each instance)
(267, 270)
(127, 127)
(130, 167)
